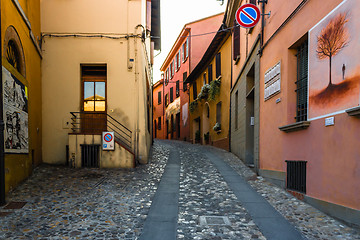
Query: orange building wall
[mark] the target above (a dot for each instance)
(158, 111)
(332, 153)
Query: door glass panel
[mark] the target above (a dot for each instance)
(100, 90)
(89, 105)
(100, 106)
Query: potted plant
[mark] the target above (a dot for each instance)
(217, 127)
(214, 89)
(193, 105)
(204, 93)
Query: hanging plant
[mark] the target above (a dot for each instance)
(204, 93)
(193, 105)
(214, 89)
(217, 127)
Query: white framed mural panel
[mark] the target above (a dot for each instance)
(334, 62)
(16, 119)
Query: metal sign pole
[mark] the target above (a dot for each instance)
(2, 158)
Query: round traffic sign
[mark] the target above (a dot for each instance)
(108, 137)
(248, 15)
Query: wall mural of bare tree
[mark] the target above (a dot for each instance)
(334, 64)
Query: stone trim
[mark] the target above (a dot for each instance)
(276, 177)
(349, 215)
(355, 112)
(295, 126)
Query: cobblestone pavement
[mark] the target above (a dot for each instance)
(64, 203)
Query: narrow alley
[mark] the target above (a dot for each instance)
(186, 192)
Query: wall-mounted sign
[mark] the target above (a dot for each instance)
(272, 81)
(108, 141)
(248, 15)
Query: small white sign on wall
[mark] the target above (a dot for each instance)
(272, 81)
(330, 121)
(108, 143)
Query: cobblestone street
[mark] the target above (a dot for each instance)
(64, 203)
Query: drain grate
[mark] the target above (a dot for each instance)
(15, 205)
(214, 220)
(4, 214)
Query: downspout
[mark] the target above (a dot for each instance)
(2, 157)
(262, 25)
(231, 78)
(137, 89)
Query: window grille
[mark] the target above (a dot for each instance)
(90, 155)
(296, 176)
(302, 83)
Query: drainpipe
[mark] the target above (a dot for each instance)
(137, 89)
(2, 157)
(262, 24)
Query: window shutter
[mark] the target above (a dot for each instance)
(171, 94)
(210, 78)
(175, 63)
(179, 62)
(236, 41)
(194, 91)
(184, 79)
(218, 65)
(177, 88)
(159, 97)
(187, 47)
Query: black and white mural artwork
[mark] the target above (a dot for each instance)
(15, 114)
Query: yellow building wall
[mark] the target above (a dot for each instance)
(126, 89)
(219, 139)
(19, 166)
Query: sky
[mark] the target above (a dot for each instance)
(174, 15)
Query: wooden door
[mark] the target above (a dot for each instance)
(93, 99)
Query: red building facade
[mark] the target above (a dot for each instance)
(185, 54)
(158, 110)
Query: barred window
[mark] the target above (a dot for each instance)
(302, 82)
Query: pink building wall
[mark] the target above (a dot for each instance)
(332, 153)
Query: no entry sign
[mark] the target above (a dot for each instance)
(248, 15)
(108, 141)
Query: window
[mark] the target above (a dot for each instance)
(184, 79)
(171, 94)
(167, 77)
(185, 50)
(175, 61)
(194, 90)
(236, 109)
(253, 2)
(204, 78)
(178, 57)
(218, 113)
(159, 123)
(218, 65)
(159, 97)
(94, 88)
(210, 74)
(166, 100)
(173, 69)
(236, 41)
(177, 88)
(302, 83)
